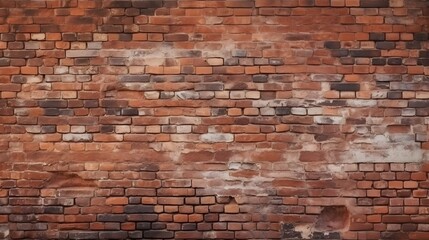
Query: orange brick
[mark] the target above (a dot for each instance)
(396, 184)
(117, 201)
(203, 70)
(232, 208)
(180, 218)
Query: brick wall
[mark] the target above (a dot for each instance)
(227, 119)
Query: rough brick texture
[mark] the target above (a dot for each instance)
(225, 119)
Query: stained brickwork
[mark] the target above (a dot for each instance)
(222, 119)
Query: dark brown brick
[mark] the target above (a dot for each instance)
(129, 112)
(404, 193)
(83, 235)
(113, 235)
(90, 103)
(423, 61)
(52, 112)
(421, 36)
(385, 45)
(19, 53)
(147, 4)
(4, 62)
(345, 86)
(18, 78)
(394, 235)
(379, 61)
(377, 36)
(374, 3)
(143, 225)
(413, 45)
(394, 61)
(53, 104)
(394, 95)
(135, 78)
(70, 37)
(15, 45)
(170, 3)
(125, 37)
(117, 4)
(332, 45)
(211, 217)
(282, 111)
(84, 37)
(418, 103)
(158, 234)
(100, 12)
(7, 37)
(260, 78)
(111, 217)
(142, 217)
(111, 28)
(139, 209)
(365, 53)
(297, 37)
(132, 12)
(189, 226)
(53, 210)
(209, 87)
(48, 129)
(50, 28)
(340, 53)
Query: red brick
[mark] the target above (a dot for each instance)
(396, 184)
(188, 235)
(170, 200)
(312, 156)
(418, 235)
(167, 75)
(198, 156)
(180, 218)
(117, 201)
(396, 218)
(360, 226)
(418, 176)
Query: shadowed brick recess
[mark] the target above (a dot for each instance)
(214, 119)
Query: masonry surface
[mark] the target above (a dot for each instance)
(217, 119)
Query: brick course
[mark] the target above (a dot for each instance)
(229, 119)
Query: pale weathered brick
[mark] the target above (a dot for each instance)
(77, 137)
(217, 137)
(328, 120)
(82, 53)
